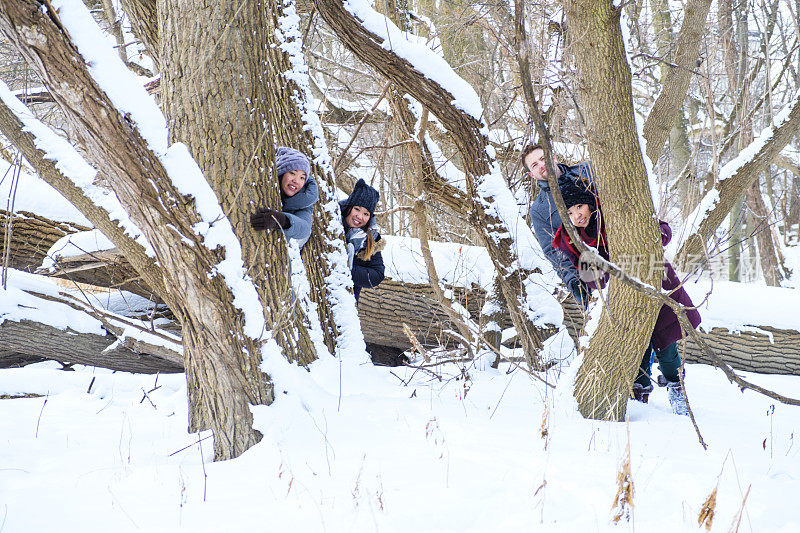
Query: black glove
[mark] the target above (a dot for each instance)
(268, 219)
(579, 291)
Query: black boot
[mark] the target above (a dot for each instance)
(641, 393)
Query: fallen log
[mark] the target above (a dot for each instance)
(31, 237)
(27, 342)
(775, 351)
(104, 268)
(384, 309)
(40, 321)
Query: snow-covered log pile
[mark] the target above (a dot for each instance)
(40, 320)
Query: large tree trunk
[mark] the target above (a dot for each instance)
(220, 52)
(615, 349)
(216, 342)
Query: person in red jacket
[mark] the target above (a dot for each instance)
(585, 214)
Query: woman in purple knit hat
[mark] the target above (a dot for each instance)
(299, 193)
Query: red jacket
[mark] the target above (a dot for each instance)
(667, 329)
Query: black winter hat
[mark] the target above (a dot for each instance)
(363, 196)
(576, 193)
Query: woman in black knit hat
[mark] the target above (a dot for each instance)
(363, 240)
(585, 214)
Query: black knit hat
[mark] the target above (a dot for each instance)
(363, 196)
(576, 193)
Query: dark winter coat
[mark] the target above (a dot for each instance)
(667, 329)
(298, 209)
(545, 220)
(367, 273)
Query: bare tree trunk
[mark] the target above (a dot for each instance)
(215, 338)
(772, 264)
(615, 349)
(143, 15)
(669, 102)
(227, 131)
(468, 135)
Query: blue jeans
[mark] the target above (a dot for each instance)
(669, 361)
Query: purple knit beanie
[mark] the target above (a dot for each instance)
(288, 159)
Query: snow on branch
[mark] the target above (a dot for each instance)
(72, 165)
(132, 101)
(417, 53)
(761, 150)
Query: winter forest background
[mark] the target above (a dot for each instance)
(139, 135)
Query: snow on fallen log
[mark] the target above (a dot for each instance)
(751, 327)
(38, 319)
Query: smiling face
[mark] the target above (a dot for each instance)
(579, 215)
(292, 181)
(534, 162)
(357, 217)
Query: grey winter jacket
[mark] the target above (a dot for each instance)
(545, 221)
(298, 209)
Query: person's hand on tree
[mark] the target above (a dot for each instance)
(264, 219)
(580, 291)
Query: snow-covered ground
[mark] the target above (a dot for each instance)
(391, 449)
(351, 447)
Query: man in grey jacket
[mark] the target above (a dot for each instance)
(546, 220)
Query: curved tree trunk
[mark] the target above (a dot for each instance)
(468, 134)
(615, 349)
(215, 338)
(667, 106)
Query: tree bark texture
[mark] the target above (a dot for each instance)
(33, 341)
(467, 134)
(46, 169)
(772, 264)
(233, 100)
(213, 328)
(215, 93)
(615, 349)
(31, 237)
(661, 118)
(143, 16)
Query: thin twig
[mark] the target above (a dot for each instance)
(190, 445)
(40, 415)
(361, 123)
